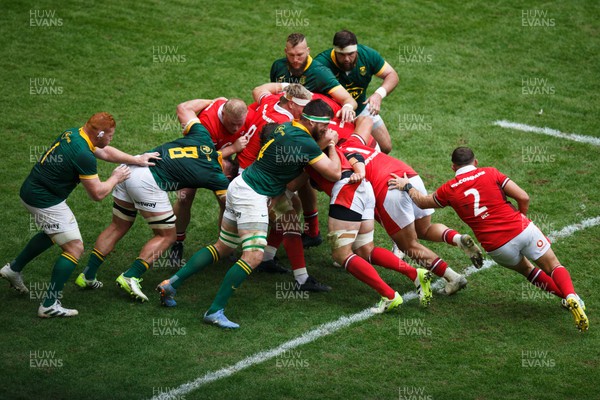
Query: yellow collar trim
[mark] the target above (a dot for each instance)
(333, 58)
(85, 137)
(299, 125)
(308, 62)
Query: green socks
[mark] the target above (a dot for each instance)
(136, 270)
(36, 246)
(236, 275)
(200, 260)
(95, 261)
(61, 272)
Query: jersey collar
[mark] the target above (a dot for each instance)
(220, 113)
(465, 169)
(299, 125)
(309, 61)
(283, 111)
(85, 137)
(333, 58)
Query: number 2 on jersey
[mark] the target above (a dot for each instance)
(476, 209)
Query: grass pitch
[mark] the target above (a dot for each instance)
(461, 66)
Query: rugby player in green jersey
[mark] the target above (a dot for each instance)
(188, 162)
(298, 67)
(282, 158)
(69, 160)
(354, 65)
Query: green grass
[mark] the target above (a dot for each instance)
(473, 343)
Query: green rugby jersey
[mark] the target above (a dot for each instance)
(282, 158)
(190, 162)
(315, 76)
(368, 63)
(69, 159)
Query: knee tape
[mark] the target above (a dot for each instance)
(229, 239)
(127, 214)
(254, 241)
(341, 238)
(164, 221)
(66, 237)
(363, 239)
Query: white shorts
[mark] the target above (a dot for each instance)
(377, 121)
(399, 210)
(142, 191)
(54, 220)
(246, 208)
(530, 243)
(358, 198)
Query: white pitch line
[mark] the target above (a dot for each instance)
(548, 131)
(332, 327)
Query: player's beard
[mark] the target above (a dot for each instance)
(298, 71)
(349, 66)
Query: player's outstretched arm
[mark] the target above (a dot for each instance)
(514, 191)
(190, 109)
(114, 155)
(417, 197)
(341, 95)
(390, 81)
(266, 89)
(97, 190)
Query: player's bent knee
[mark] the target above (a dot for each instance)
(342, 238)
(252, 258)
(124, 213)
(73, 247)
(163, 221)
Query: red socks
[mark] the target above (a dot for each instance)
(387, 259)
(562, 279)
(539, 278)
(292, 242)
(365, 272)
(438, 267)
(448, 236)
(311, 221)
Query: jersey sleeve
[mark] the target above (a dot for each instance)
(326, 79)
(86, 165)
(312, 150)
(376, 62)
(499, 177)
(440, 196)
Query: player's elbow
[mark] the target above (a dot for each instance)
(334, 176)
(96, 195)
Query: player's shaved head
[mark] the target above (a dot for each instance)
(344, 38)
(235, 108)
(234, 115)
(295, 39)
(101, 121)
(462, 156)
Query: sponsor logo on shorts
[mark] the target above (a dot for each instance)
(146, 204)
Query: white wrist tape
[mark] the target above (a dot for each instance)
(381, 91)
